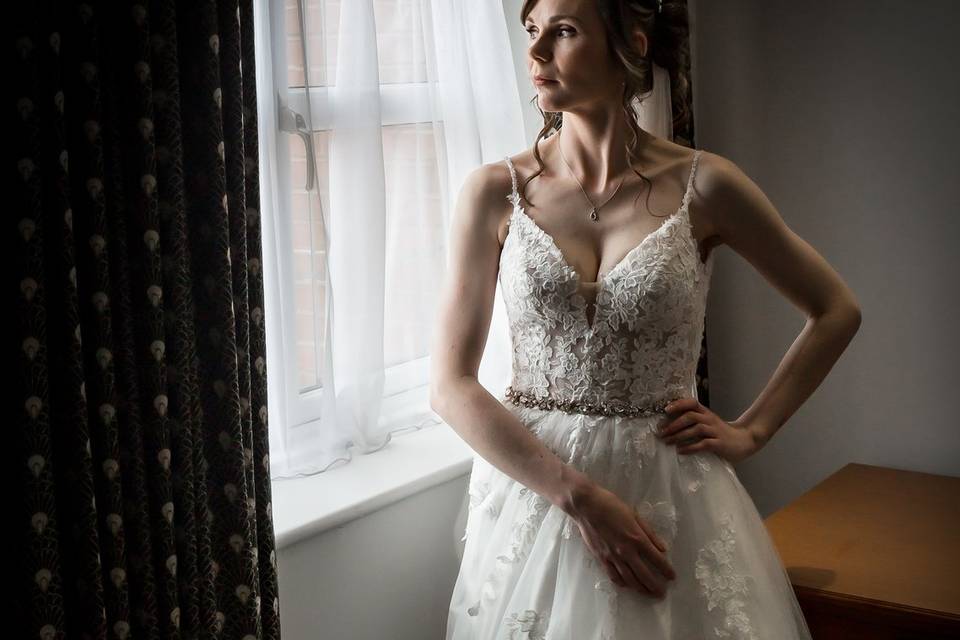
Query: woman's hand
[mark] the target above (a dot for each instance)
(694, 427)
(626, 546)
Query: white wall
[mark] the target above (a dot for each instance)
(845, 114)
(387, 575)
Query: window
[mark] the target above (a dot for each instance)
(300, 45)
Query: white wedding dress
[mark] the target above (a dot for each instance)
(590, 389)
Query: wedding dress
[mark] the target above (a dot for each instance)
(592, 390)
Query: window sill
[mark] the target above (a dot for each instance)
(410, 463)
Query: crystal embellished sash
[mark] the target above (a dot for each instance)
(524, 399)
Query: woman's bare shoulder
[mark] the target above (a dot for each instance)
(717, 174)
(722, 190)
(485, 195)
(526, 162)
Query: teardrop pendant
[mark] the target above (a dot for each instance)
(593, 214)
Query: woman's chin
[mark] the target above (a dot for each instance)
(548, 102)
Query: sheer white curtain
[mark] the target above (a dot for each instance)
(383, 107)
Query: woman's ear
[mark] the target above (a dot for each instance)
(640, 41)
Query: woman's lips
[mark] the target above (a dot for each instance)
(540, 81)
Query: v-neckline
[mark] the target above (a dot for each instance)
(603, 276)
(601, 279)
(683, 208)
(552, 245)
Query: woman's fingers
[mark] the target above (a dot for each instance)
(614, 572)
(657, 540)
(629, 575)
(650, 583)
(662, 565)
(692, 432)
(647, 529)
(631, 571)
(659, 560)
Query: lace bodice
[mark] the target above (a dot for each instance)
(642, 344)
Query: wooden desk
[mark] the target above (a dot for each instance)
(874, 553)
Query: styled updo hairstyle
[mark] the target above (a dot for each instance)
(668, 45)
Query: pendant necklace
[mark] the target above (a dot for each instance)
(593, 207)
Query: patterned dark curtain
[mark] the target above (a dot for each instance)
(140, 451)
(683, 133)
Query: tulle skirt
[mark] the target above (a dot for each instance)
(526, 572)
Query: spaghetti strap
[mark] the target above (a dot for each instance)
(688, 194)
(514, 196)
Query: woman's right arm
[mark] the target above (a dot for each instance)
(463, 322)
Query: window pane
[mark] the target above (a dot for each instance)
(309, 259)
(400, 41)
(415, 243)
(322, 18)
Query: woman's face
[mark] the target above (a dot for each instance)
(568, 44)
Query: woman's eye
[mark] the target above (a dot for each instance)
(565, 29)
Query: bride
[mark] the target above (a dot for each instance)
(603, 500)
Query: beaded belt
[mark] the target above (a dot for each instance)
(525, 399)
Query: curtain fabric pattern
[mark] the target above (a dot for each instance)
(143, 506)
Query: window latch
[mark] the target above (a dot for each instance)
(294, 123)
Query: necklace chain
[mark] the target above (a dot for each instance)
(593, 207)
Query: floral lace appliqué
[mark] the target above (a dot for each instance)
(525, 529)
(693, 468)
(523, 533)
(641, 446)
(482, 496)
(662, 517)
(722, 585)
(528, 624)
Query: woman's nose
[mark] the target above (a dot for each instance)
(538, 50)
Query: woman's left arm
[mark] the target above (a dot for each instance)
(745, 220)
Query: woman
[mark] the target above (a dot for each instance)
(603, 502)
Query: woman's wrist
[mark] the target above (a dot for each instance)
(760, 432)
(576, 486)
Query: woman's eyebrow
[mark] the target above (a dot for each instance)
(558, 18)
